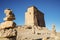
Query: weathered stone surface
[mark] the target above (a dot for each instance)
(34, 17)
(8, 12)
(33, 30)
(12, 38)
(9, 18)
(44, 38)
(9, 15)
(31, 33)
(7, 33)
(53, 31)
(7, 24)
(4, 39)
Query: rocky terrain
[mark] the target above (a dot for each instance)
(7, 31)
(34, 28)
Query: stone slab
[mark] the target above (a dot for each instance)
(7, 24)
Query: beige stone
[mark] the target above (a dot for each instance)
(31, 32)
(53, 31)
(9, 15)
(34, 17)
(45, 38)
(4, 33)
(8, 38)
(4, 38)
(9, 18)
(34, 28)
(53, 28)
(8, 12)
(7, 24)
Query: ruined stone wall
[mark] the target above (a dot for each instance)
(39, 17)
(34, 17)
(7, 31)
(29, 16)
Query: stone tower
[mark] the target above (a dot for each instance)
(34, 17)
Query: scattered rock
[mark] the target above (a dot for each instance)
(7, 33)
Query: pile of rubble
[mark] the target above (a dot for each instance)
(7, 30)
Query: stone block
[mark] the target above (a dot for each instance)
(9, 18)
(7, 24)
(4, 33)
(8, 12)
(4, 39)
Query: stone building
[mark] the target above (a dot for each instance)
(34, 28)
(34, 17)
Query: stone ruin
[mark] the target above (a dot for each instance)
(34, 17)
(7, 30)
(34, 28)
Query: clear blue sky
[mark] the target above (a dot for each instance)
(51, 9)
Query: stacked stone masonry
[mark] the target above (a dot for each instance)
(7, 30)
(34, 17)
